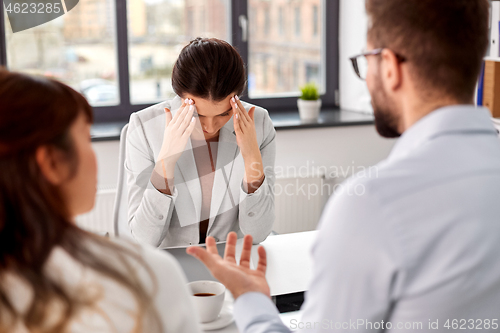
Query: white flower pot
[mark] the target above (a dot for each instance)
(309, 110)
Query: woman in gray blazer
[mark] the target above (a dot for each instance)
(201, 164)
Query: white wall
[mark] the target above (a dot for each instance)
(341, 147)
(354, 94)
(107, 163)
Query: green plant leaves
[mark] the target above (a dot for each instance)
(309, 92)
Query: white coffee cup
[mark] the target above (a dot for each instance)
(208, 306)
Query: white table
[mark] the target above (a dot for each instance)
(289, 268)
(285, 317)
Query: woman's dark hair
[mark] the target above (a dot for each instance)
(34, 217)
(209, 68)
(444, 40)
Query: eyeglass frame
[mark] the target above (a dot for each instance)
(378, 51)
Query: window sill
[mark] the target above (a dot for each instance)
(282, 121)
(327, 118)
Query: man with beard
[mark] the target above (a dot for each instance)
(418, 250)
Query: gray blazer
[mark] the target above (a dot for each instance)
(172, 220)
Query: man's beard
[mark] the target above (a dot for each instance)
(384, 110)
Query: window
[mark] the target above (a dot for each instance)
(265, 71)
(120, 54)
(297, 21)
(295, 73)
(312, 73)
(282, 77)
(267, 22)
(279, 73)
(281, 22)
(315, 21)
(157, 31)
(253, 20)
(78, 48)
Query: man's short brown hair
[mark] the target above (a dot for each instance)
(444, 41)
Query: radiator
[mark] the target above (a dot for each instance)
(298, 203)
(100, 219)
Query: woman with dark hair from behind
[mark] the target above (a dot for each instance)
(54, 276)
(201, 164)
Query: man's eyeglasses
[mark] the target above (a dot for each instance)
(360, 63)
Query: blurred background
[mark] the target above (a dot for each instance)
(120, 54)
(285, 48)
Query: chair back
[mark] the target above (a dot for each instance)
(120, 211)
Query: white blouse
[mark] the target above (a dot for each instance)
(115, 308)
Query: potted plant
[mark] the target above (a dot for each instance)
(309, 103)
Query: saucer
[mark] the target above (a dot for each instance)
(225, 318)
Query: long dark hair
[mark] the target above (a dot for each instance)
(34, 218)
(209, 68)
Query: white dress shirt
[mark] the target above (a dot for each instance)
(415, 244)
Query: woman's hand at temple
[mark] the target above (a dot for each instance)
(246, 137)
(239, 279)
(178, 129)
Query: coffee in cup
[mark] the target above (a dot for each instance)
(208, 298)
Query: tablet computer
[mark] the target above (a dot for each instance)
(192, 267)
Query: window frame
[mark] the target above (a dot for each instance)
(122, 111)
(3, 45)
